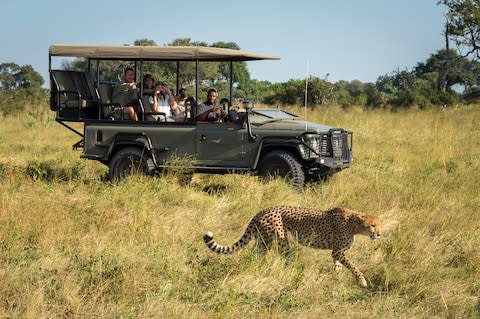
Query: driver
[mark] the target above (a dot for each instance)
(209, 110)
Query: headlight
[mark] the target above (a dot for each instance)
(312, 146)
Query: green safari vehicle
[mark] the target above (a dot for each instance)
(267, 142)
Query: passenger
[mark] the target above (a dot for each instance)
(163, 101)
(126, 94)
(148, 81)
(209, 110)
(190, 104)
(181, 96)
(182, 111)
(148, 90)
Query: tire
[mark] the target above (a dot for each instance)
(130, 161)
(282, 164)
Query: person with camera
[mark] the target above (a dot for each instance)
(163, 101)
(210, 110)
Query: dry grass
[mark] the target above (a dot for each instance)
(75, 246)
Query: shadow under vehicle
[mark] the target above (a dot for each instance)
(267, 142)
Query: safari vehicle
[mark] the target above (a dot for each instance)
(267, 142)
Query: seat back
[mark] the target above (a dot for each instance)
(91, 81)
(62, 88)
(109, 109)
(147, 108)
(105, 93)
(73, 94)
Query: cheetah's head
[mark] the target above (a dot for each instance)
(371, 226)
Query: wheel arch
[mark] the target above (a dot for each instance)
(125, 140)
(277, 144)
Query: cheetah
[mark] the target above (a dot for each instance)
(332, 229)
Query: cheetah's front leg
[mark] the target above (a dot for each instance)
(338, 266)
(339, 256)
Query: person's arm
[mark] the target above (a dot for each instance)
(172, 102)
(153, 103)
(202, 116)
(203, 111)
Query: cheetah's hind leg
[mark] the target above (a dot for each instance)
(262, 243)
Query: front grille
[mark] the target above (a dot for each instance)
(336, 144)
(325, 145)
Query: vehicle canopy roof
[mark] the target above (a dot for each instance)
(172, 53)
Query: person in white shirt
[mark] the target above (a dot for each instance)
(163, 101)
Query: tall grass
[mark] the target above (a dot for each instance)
(73, 245)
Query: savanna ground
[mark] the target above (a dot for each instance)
(73, 245)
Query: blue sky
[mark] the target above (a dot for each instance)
(347, 39)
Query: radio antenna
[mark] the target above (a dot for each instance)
(306, 95)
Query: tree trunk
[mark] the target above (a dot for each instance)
(443, 72)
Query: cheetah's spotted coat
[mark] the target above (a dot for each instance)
(332, 229)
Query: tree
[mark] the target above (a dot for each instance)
(13, 76)
(21, 89)
(342, 95)
(8, 73)
(355, 88)
(463, 25)
(320, 91)
(374, 98)
(144, 42)
(462, 71)
(240, 70)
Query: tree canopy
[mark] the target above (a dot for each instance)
(463, 25)
(13, 76)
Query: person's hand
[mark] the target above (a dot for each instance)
(129, 86)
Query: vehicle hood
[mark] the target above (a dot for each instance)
(297, 125)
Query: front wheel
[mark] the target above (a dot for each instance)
(129, 161)
(282, 164)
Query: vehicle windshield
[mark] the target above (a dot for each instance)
(275, 114)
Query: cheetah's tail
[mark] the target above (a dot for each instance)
(215, 247)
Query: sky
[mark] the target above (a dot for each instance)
(334, 40)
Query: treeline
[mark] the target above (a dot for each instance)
(425, 85)
(21, 89)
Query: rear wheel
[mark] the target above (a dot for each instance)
(282, 164)
(130, 161)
